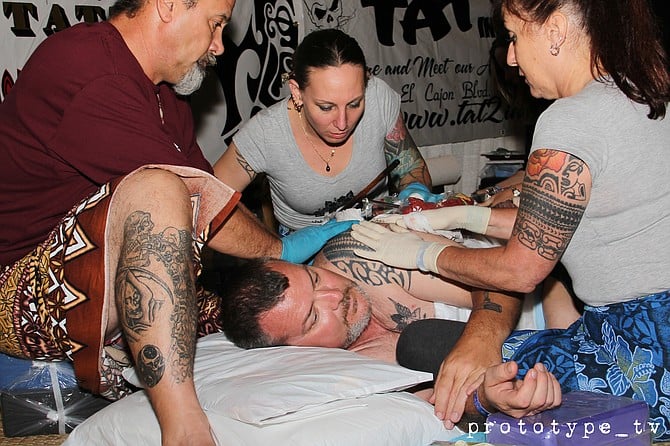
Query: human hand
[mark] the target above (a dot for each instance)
(302, 244)
(461, 372)
(192, 429)
(402, 250)
(419, 190)
(537, 392)
(192, 437)
(472, 218)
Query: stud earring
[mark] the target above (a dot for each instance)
(556, 47)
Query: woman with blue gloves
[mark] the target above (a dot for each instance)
(327, 141)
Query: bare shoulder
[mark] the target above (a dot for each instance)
(338, 256)
(389, 289)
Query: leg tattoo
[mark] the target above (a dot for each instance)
(150, 364)
(154, 276)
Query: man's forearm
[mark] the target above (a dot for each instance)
(501, 272)
(244, 235)
(501, 223)
(494, 309)
(494, 316)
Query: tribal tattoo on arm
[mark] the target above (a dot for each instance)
(400, 145)
(555, 194)
(154, 275)
(340, 252)
(245, 165)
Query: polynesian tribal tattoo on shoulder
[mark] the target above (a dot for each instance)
(154, 271)
(552, 204)
(340, 252)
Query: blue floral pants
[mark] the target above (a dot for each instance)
(621, 349)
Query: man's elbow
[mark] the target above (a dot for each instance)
(525, 287)
(524, 279)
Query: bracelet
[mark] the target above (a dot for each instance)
(478, 405)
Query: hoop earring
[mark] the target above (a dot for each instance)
(297, 107)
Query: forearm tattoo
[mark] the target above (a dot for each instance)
(245, 165)
(400, 145)
(403, 316)
(150, 364)
(488, 304)
(340, 252)
(552, 204)
(155, 274)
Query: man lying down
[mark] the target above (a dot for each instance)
(344, 301)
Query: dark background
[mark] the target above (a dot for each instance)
(662, 10)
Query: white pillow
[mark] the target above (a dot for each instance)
(286, 396)
(260, 386)
(388, 419)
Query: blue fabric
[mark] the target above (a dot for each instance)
(621, 349)
(419, 190)
(470, 437)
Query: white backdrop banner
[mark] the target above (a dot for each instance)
(433, 52)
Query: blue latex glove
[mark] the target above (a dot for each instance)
(302, 244)
(421, 191)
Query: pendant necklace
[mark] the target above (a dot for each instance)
(332, 151)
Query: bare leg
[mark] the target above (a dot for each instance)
(155, 298)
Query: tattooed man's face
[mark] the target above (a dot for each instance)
(320, 308)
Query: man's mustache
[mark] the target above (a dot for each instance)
(208, 60)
